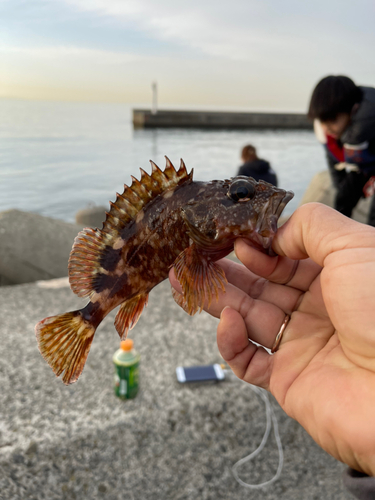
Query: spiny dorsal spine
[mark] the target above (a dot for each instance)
(135, 197)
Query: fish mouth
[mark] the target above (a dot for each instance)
(266, 226)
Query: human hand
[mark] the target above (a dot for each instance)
(348, 167)
(323, 373)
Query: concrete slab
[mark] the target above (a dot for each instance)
(171, 442)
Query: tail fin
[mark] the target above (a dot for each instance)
(64, 342)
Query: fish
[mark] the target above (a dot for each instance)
(161, 221)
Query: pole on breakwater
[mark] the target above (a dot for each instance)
(154, 87)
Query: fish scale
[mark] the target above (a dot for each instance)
(161, 221)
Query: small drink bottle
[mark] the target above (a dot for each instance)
(126, 361)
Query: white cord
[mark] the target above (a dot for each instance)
(270, 419)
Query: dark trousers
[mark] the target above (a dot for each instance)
(349, 187)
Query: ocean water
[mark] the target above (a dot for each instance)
(59, 157)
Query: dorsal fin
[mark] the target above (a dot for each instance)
(135, 197)
(90, 244)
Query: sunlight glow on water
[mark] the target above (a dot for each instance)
(57, 158)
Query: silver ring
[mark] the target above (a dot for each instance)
(279, 336)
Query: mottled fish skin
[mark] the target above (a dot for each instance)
(143, 253)
(163, 221)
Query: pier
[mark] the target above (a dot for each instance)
(145, 118)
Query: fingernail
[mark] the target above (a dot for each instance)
(221, 314)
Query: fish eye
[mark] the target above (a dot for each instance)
(241, 190)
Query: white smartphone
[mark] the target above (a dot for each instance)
(199, 373)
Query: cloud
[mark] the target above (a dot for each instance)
(258, 53)
(229, 32)
(247, 30)
(74, 54)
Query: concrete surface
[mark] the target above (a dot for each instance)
(172, 442)
(33, 247)
(144, 118)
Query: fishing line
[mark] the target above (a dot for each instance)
(271, 421)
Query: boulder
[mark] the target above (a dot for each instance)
(33, 247)
(91, 217)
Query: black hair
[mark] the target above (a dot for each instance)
(333, 95)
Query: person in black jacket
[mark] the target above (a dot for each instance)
(255, 167)
(344, 121)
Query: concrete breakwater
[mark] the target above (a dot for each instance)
(34, 247)
(144, 118)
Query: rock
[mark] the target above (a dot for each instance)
(322, 190)
(91, 217)
(33, 247)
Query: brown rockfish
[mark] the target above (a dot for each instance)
(165, 219)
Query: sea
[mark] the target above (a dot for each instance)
(57, 158)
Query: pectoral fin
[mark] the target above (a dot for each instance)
(129, 313)
(179, 299)
(199, 277)
(202, 230)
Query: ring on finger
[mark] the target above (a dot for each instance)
(279, 336)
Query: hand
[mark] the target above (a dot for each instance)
(348, 167)
(323, 373)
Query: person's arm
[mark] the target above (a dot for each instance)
(323, 373)
(362, 155)
(359, 138)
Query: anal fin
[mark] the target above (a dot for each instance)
(199, 277)
(129, 313)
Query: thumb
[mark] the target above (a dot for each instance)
(315, 230)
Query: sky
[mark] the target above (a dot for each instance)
(248, 54)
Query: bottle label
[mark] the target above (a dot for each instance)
(126, 381)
